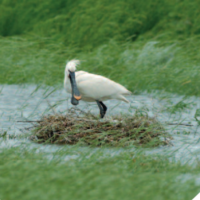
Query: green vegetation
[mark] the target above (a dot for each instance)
(89, 23)
(144, 45)
(26, 175)
(139, 66)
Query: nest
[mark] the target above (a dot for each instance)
(86, 129)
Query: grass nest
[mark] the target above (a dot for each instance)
(85, 129)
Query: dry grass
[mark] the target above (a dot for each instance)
(82, 128)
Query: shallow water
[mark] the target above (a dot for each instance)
(21, 103)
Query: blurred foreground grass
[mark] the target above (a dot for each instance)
(93, 175)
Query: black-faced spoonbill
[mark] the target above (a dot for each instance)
(91, 87)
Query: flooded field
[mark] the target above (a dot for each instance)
(29, 102)
(152, 49)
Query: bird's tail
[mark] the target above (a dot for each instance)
(122, 98)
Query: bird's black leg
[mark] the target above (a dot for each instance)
(102, 108)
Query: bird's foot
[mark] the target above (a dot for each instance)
(102, 114)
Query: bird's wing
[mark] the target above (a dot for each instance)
(79, 73)
(97, 87)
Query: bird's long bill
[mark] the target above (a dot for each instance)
(75, 92)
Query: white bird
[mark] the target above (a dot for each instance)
(91, 87)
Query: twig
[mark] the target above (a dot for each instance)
(29, 121)
(86, 120)
(179, 124)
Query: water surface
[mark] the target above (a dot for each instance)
(30, 102)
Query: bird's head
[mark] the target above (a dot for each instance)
(71, 66)
(70, 73)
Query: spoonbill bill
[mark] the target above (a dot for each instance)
(91, 87)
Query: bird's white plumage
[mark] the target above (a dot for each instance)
(94, 87)
(71, 65)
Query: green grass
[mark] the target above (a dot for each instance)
(144, 45)
(169, 66)
(88, 24)
(149, 45)
(29, 175)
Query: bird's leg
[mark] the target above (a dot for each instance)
(102, 108)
